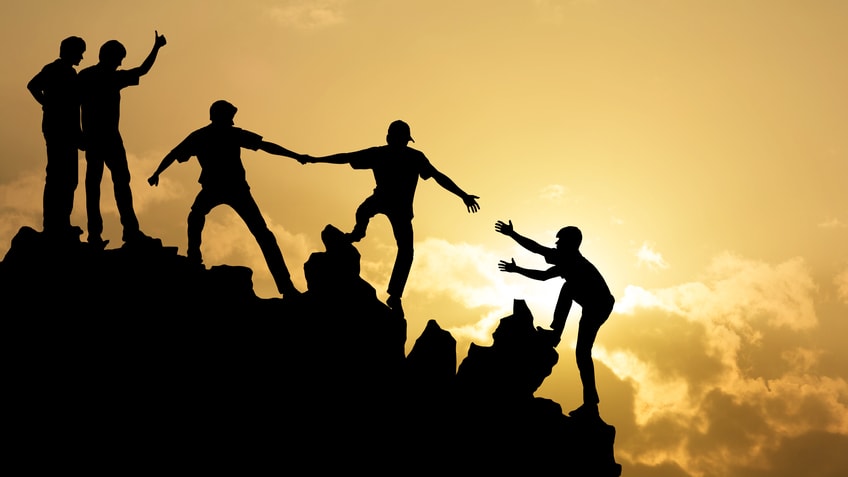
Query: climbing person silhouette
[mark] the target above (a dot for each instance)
(396, 168)
(223, 181)
(56, 89)
(583, 285)
(101, 86)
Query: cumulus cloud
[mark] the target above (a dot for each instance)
(650, 258)
(309, 13)
(692, 355)
(468, 274)
(841, 282)
(227, 240)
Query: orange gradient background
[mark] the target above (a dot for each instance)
(702, 147)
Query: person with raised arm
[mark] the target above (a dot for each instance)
(101, 87)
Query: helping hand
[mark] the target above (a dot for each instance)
(504, 228)
(471, 203)
(510, 266)
(153, 180)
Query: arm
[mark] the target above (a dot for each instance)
(278, 150)
(35, 88)
(450, 186)
(159, 42)
(169, 159)
(531, 245)
(540, 275)
(341, 158)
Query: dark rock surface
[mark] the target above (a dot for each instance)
(134, 358)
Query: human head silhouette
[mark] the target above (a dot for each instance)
(112, 53)
(71, 49)
(569, 239)
(399, 133)
(222, 112)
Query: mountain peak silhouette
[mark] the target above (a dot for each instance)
(151, 359)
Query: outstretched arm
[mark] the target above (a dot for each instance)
(511, 267)
(340, 158)
(531, 245)
(450, 186)
(278, 150)
(159, 42)
(169, 159)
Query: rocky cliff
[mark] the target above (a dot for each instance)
(134, 358)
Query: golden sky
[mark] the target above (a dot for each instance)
(701, 146)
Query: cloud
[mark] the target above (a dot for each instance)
(465, 273)
(227, 240)
(726, 365)
(553, 192)
(841, 282)
(832, 223)
(651, 258)
(309, 14)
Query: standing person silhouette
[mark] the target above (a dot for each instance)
(101, 87)
(223, 181)
(56, 89)
(396, 168)
(583, 285)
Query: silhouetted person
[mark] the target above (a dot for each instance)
(583, 285)
(396, 168)
(56, 88)
(223, 181)
(101, 87)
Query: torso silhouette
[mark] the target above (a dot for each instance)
(101, 97)
(396, 172)
(585, 283)
(59, 83)
(218, 150)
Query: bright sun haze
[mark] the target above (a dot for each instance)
(701, 147)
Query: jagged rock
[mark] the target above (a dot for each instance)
(141, 355)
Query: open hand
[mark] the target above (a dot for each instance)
(510, 266)
(471, 203)
(504, 228)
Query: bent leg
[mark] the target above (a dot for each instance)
(366, 210)
(562, 309)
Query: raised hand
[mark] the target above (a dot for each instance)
(504, 228)
(510, 266)
(160, 40)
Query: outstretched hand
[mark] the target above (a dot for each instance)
(153, 180)
(510, 266)
(304, 158)
(471, 203)
(160, 40)
(504, 228)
